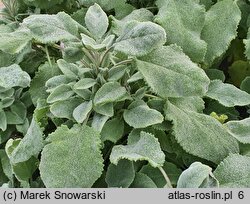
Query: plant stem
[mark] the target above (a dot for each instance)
(105, 55)
(48, 56)
(152, 96)
(166, 177)
(123, 62)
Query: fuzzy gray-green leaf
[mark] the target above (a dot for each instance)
(240, 130)
(110, 92)
(234, 172)
(227, 94)
(177, 17)
(96, 21)
(141, 116)
(140, 38)
(78, 165)
(13, 76)
(147, 148)
(196, 175)
(202, 135)
(219, 31)
(170, 73)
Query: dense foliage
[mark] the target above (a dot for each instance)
(116, 93)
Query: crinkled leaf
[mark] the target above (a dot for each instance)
(170, 73)
(147, 148)
(240, 130)
(227, 94)
(30, 145)
(177, 17)
(61, 93)
(196, 176)
(96, 21)
(51, 28)
(234, 172)
(120, 175)
(218, 31)
(202, 135)
(82, 111)
(112, 130)
(110, 92)
(139, 115)
(15, 42)
(140, 38)
(13, 76)
(78, 165)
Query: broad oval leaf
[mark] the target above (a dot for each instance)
(84, 83)
(82, 111)
(139, 39)
(96, 21)
(110, 92)
(234, 172)
(220, 34)
(227, 94)
(51, 28)
(240, 130)
(202, 135)
(15, 42)
(77, 166)
(147, 148)
(170, 73)
(68, 69)
(30, 145)
(64, 109)
(60, 93)
(141, 116)
(13, 76)
(197, 175)
(177, 17)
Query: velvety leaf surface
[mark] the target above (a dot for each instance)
(196, 175)
(234, 172)
(15, 42)
(37, 87)
(78, 165)
(170, 73)
(51, 28)
(177, 17)
(227, 94)
(141, 116)
(200, 134)
(147, 148)
(140, 38)
(220, 34)
(13, 76)
(109, 92)
(96, 21)
(240, 130)
(30, 145)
